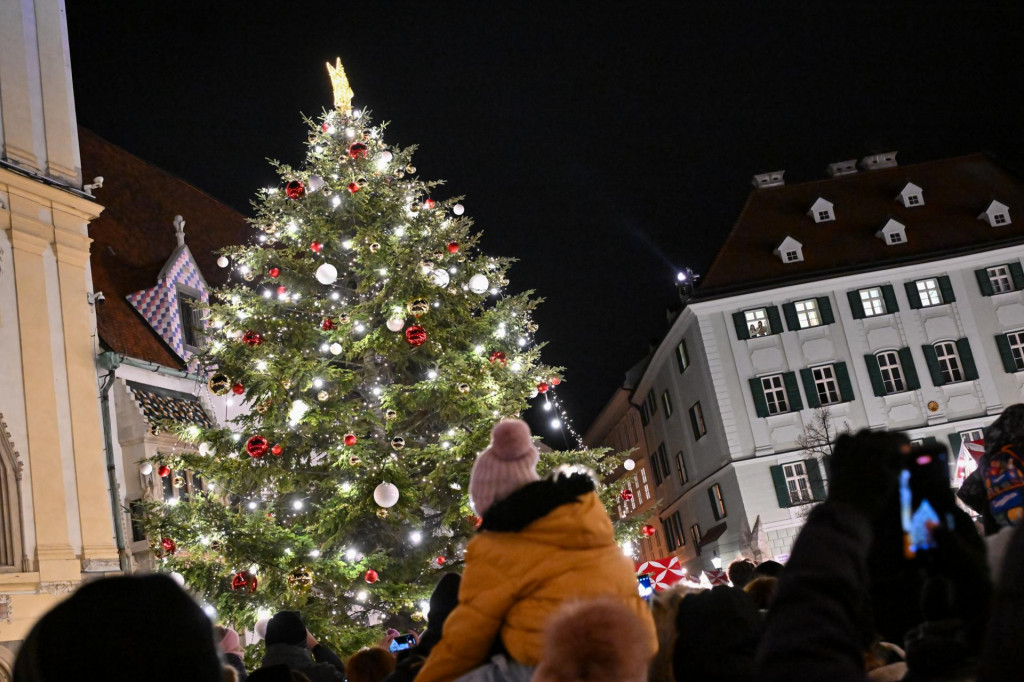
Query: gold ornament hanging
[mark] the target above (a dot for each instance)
(301, 579)
(382, 513)
(398, 442)
(219, 384)
(178, 481)
(390, 414)
(323, 396)
(339, 83)
(374, 247)
(463, 388)
(344, 318)
(418, 307)
(354, 461)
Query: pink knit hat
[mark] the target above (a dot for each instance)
(508, 463)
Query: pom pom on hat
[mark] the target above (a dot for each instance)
(508, 463)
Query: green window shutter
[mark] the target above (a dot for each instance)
(946, 289)
(984, 283)
(807, 377)
(760, 404)
(781, 489)
(1017, 274)
(932, 360)
(912, 296)
(875, 374)
(909, 370)
(792, 392)
(825, 310)
(774, 321)
(1005, 354)
(814, 476)
(843, 379)
(889, 296)
(789, 311)
(963, 349)
(929, 440)
(955, 439)
(742, 330)
(856, 307)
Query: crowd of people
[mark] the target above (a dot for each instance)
(547, 595)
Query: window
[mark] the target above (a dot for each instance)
(999, 219)
(970, 436)
(797, 483)
(825, 384)
(892, 372)
(666, 400)
(872, 301)
(674, 531)
(191, 319)
(658, 475)
(643, 479)
(999, 276)
(652, 403)
(949, 362)
(792, 256)
(645, 417)
(913, 200)
(775, 394)
(757, 321)
(695, 534)
(717, 501)
(928, 292)
(681, 467)
(807, 313)
(11, 553)
(895, 237)
(659, 463)
(824, 216)
(1011, 350)
(682, 357)
(697, 421)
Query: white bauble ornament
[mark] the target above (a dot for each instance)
(327, 274)
(386, 495)
(396, 324)
(205, 449)
(458, 209)
(178, 578)
(335, 348)
(384, 158)
(439, 277)
(223, 261)
(146, 469)
(478, 284)
(261, 628)
(315, 183)
(629, 464)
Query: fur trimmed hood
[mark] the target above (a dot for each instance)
(536, 500)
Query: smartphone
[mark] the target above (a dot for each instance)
(401, 643)
(925, 498)
(644, 586)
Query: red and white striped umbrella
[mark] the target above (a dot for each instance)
(664, 572)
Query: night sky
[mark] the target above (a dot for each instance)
(605, 145)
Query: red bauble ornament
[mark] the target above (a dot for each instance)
(295, 190)
(244, 580)
(356, 150)
(499, 356)
(327, 325)
(440, 561)
(415, 335)
(429, 204)
(325, 126)
(353, 188)
(648, 530)
(257, 446)
(168, 545)
(251, 338)
(453, 247)
(282, 290)
(554, 381)
(371, 576)
(626, 494)
(238, 388)
(542, 387)
(350, 439)
(164, 471)
(274, 272)
(316, 247)
(276, 450)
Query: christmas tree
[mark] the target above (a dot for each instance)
(374, 346)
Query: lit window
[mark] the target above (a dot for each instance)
(757, 322)
(1000, 278)
(695, 534)
(807, 313)
(681, 467)
(775, 394)
(682, 357)
(949, 362)
(826, 385)
(697, 421)
(643, 479)
(928, 291)
(797, 482)
(892, 372)
(191, 319)
(666, 400)
(872, 301)
(717, 501)
(1016, 340)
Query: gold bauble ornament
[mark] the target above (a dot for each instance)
(323, 396)
(461, 259)
(271, 241)
(367, 133)
(390, 414)
(437, 255)
(399, 174)
(361, 182)
(417, 617)
(178, 481)
(398, 442)
(344, 318)
(219, 384)
(249, 276)
(374, 247)
(463, 388)
(531, 327)
(410, 168)
(426, 266)
(286, 383)
(301, 579)
(216, 545)
(326, 190)
(418, 307)
(354, 461)
(263, 407)
(382, 513)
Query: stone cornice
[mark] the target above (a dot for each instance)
(56, 197)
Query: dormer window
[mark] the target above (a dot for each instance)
(997, 214)
(790, 251)
(911, 195)
(822, 211)
(893, 232)
(773, 179)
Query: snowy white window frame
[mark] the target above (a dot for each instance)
(807, 313)
(1000, 278)
(798, 484)
(775, 394)
(1016, 342)
(892, 372)
(872, 301)
(928, 291)
(825, 384)
(949, 362)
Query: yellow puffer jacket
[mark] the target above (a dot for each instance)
(516, 578)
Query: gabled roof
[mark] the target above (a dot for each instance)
(133, 239)
(958, 189)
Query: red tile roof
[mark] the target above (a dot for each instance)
(955, 192)
(134, 237)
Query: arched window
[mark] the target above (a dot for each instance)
(11, 552)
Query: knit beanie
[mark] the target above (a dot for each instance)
(508, 463)
(286, 627)
(108, 629)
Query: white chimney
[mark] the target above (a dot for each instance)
(773, 179)
(876, 161)
(838, 168)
